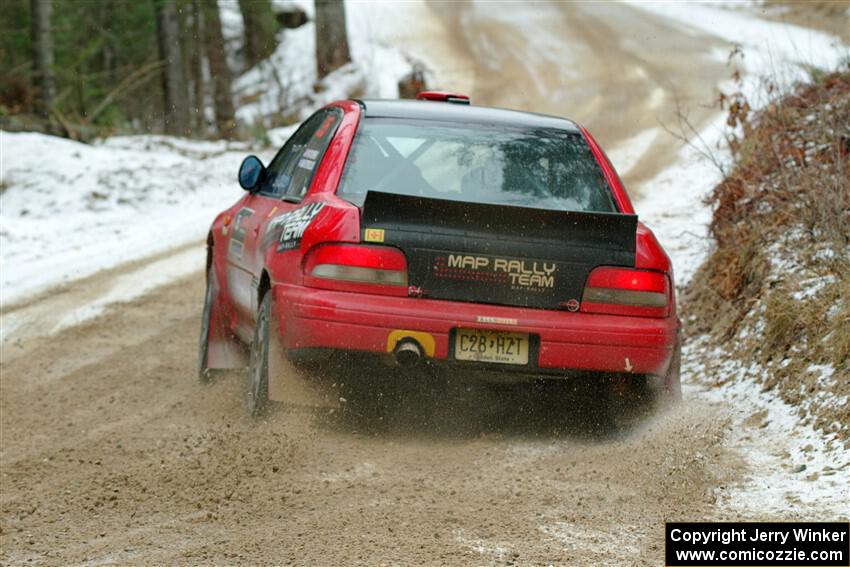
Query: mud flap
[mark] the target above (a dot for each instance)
(225, 350)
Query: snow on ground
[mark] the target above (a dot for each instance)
(793, 467)
(70, 209)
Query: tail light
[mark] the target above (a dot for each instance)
(352, 267)
(621, 291)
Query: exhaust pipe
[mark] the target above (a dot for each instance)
(408, 353)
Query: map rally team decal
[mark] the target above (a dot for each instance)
(293, 224)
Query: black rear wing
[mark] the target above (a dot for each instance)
(614, 232)
(498, 254)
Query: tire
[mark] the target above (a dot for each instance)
(257, 390)
(206, 320)
(673, 381)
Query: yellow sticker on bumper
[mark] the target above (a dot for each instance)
(374, 235)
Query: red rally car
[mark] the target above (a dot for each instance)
(437, 233)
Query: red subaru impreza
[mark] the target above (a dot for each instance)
(437, 233)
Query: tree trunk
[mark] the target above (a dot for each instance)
(199, 83)
(107, 54)
(220, 72)
(259, 30)
(174, 90)
(42, 56)
(331, 37)
(191, 31)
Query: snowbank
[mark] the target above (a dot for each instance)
(70, 209)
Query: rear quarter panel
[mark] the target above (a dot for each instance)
(337, 221)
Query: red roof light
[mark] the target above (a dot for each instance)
(442, 96)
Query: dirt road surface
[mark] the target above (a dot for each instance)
(113, 453)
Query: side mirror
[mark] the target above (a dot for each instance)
(251, 172)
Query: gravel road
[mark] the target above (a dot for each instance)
(113, 453)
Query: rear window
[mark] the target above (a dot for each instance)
(530, 167)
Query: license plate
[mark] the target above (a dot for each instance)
(491, 346)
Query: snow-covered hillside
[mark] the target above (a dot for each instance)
(70, 209)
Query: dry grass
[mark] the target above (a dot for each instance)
(777, 284)
(784, 324)
(839, 328)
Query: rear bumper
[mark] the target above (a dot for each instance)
(315, 318)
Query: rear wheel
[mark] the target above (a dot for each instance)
(257, 391)
(206, 320)
(673, 380)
